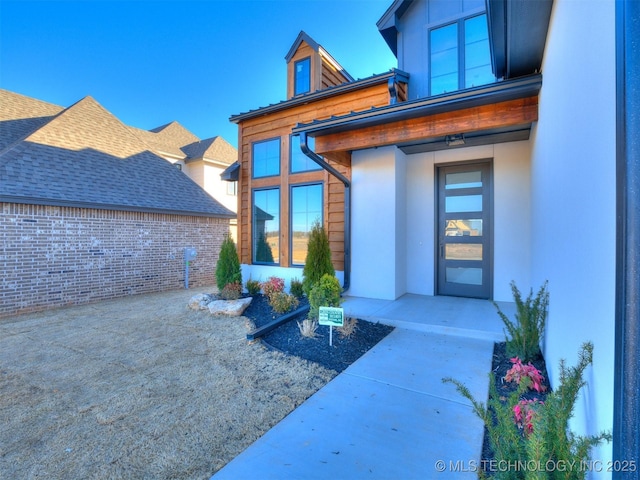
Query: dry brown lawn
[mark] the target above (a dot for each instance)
(140, 387)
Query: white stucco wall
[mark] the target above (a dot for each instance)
(374, 239)
(384, 174)
(573, 201)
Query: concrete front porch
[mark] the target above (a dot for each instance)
(468, 317)
(389, 415)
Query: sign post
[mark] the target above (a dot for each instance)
(332, 316)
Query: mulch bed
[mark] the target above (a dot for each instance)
(288, 339)
(501, 363)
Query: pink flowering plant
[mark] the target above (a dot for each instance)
(273, 286)
(524, 413)
(520, 371)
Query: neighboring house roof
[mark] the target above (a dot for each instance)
(215, 149)
(85, 157)
(303, 37)
(20, 115)
(393, 75)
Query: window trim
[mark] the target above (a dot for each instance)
(291, 171)
(306, 60)
(253, 163)
(460, 22)
(291, 187)
(253, 203)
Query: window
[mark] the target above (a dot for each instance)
(306, 208)
(302, 76)
(460, 56)
(232, 188)
(266, 158)
(266, 226)
(299, 161)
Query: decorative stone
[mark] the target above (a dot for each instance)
(200, 301)
(229, 308)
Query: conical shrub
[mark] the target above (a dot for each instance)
(228, 266)
(318, 261)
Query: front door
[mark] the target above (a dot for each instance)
(465, 211)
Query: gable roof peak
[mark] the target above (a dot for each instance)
(302, 37)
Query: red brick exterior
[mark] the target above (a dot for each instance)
(54, 256)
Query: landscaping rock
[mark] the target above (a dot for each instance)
(229, 308)
(200, 301)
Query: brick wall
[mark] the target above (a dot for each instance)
(54, 256)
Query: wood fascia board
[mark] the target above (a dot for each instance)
(498, 115)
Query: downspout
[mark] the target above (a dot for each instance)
(347, 205)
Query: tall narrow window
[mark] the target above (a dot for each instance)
(302, 72)
(299, 161)
(306, 208)
(477, 56)
(444, 59)
(459, 55)
(266, 158)
(266, 226)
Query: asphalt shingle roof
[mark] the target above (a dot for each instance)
(84, 156)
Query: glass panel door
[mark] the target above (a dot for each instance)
(464, 230)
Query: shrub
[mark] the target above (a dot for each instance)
(318, 262)
(253, 287)
(527, 331)
(231, 291)
(282, 302)
(519, 371)
(536, 433)
(308, 327)
(297, 290)
(325, 293)
(348, 328)
(228, 266)
(272, 286)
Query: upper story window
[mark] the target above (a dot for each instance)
(302, 76)
(459, 55)
(299, 161)
(266, 158)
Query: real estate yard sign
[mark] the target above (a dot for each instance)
(332, 316)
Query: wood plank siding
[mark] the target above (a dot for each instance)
(499, 115)
(278, 125)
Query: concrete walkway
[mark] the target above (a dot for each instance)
(389, 415)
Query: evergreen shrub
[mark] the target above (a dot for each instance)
(318, 262)
(325, 293)
(228, 266)
(526, 332)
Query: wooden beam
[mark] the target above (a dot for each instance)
(499, 115)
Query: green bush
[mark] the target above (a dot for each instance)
(526, 332)
(282, 302)
(228, 266)
(325, 293)
(296, 289)
(253, 287)
(544, 437)
(318, 262)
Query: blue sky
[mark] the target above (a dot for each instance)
(196, 62)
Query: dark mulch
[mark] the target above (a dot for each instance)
(287, 338)
(501, 363)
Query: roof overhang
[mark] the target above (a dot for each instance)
(231, 173)
(517, 33)
(498, 112)
(393, 74)
(387, 25)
